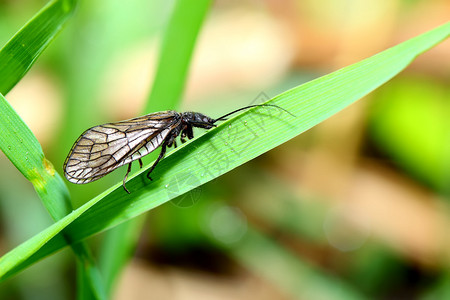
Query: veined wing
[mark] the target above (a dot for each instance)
(104, 148)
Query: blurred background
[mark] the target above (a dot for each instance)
(355, 208)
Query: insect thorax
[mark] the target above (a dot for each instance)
(196, 119)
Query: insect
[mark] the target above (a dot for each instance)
(103, 148)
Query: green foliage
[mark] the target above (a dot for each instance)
(216, 152)
(173, 64)
(412, 126)
(171, 73)
(20, 53)
(224, 148)
(18, 142)
(22, 148)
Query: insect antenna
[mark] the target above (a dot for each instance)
(250, 106)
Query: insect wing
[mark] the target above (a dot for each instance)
(104, 148)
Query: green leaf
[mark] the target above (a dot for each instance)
(23, 149)
(185, 23)
(224, 148)
(18, 142)
(20, 53)
(183, 28)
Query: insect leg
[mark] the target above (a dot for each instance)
(161, 155)
(184, 134)
(190, 132)
(125, 178)
(140, 163)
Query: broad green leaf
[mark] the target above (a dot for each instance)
(224, 148)
(20, 53)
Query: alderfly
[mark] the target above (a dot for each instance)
(103, 148)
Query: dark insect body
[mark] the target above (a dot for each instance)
(103, 148)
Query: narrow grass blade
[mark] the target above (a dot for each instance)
(24, 151)
(183, 28)
(18, 142)
(176, 52)
(19, 54)
(224, 148)
(117, 248)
